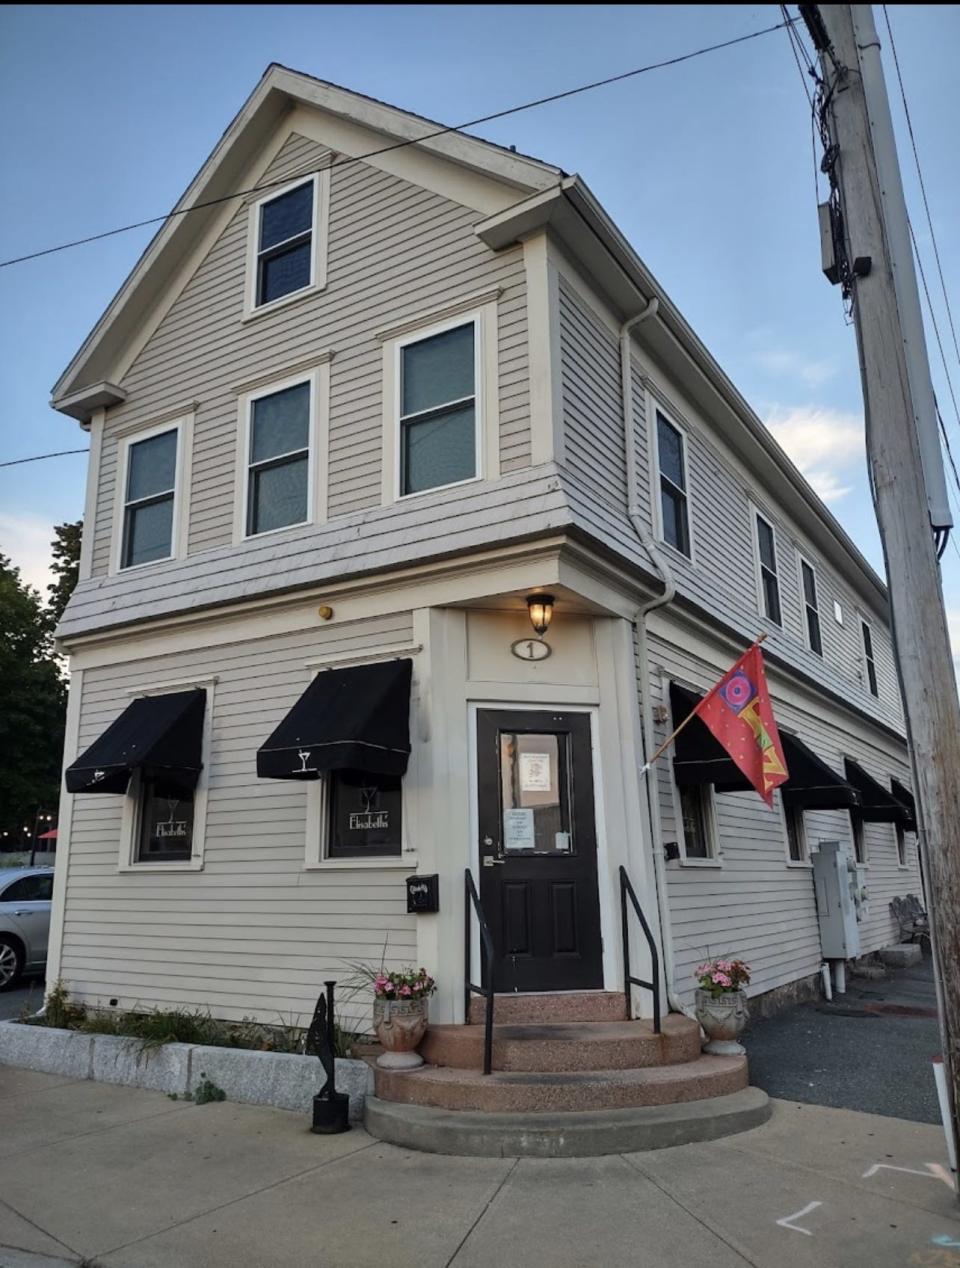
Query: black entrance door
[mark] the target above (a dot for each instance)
(538, 849)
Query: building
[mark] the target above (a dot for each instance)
(343, 427)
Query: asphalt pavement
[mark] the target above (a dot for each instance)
(870, 1050)
(28, 995)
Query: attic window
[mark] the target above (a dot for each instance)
(286, 228)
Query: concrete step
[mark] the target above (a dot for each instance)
(520, 1092)
(568, 1135)
(566, 1045)
(553, 1006)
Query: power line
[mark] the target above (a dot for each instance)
(15, 462)
(923, 191)
(398, 145)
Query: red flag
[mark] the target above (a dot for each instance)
(739, 715)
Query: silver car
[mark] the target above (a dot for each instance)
(25, 896)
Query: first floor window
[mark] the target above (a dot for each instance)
(901, 845)
(364, 815)
(673, 485)
(695, 813)
(438, 410)
(278, 457)
(859, 843)
(165, 832)
(796, 834)
(148, 499)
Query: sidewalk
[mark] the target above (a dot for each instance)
(130, 1179)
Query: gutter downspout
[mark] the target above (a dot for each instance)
(639, 621)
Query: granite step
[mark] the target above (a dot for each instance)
(566, 1046)
(576, 1134)
(532, 1092)
(553, 1006)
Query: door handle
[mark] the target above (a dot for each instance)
(490, 861)
(22, 913)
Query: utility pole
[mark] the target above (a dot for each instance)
(906, 474)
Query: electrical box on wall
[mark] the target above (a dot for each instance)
(423, 894)
(836, 886)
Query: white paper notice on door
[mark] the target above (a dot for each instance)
(535, 772)
(518, 830)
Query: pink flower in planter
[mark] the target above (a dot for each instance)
(722, 979)
(405, 990)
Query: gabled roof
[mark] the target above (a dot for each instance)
(85, 384)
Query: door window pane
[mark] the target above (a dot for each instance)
(534, 791)
(440, 449)
(166, 823)
(29, 889)
(365, 814)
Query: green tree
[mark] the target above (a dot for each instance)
(65, 567)
(32, 703)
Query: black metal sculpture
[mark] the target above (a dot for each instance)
(330, 1107)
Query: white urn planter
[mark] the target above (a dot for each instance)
(400, 1025)
(723, 1018)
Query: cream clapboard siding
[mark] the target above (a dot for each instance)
(755, 905)
(252, 933)
(395, 250)
(722, 575)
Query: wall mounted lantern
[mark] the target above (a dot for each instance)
(540, 608)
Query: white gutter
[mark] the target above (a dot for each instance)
(643, 665)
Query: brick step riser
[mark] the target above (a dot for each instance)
(540, 1096)
(465, 1052)
(569, 1006)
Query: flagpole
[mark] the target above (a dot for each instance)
(690, 716)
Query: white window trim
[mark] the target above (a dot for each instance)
(864, 670)
(319, 241)
(785, 813)
(801, 560)
(755, 515)
(183, 426)
(715, 857)
(131, 802)
(656, 406)
(317, 457)
(487, 409)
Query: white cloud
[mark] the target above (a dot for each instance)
(826, 444)
(784, 361)
(26, 539)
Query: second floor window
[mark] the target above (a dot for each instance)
(438, 410)
(868, 658)
(769, 581)
(673, 486)
(278, 459)
(811, 605)
(285, 231)
(149, 497)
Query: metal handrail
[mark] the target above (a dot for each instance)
(471, 897)
(626, 889)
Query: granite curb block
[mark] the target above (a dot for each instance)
(281, 1079)
(902, 955)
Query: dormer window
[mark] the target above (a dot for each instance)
(287, 242)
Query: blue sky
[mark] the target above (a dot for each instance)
(706, 167)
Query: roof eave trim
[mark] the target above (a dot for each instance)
(82, 404)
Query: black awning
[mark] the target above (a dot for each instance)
(813, 785)
(698, 758)
(160, 735)
(904, 795)
(347, 719)
(701, 759)
(876, 804)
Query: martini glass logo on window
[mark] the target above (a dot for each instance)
(737, 692)
(369, 816)
(171, 828)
